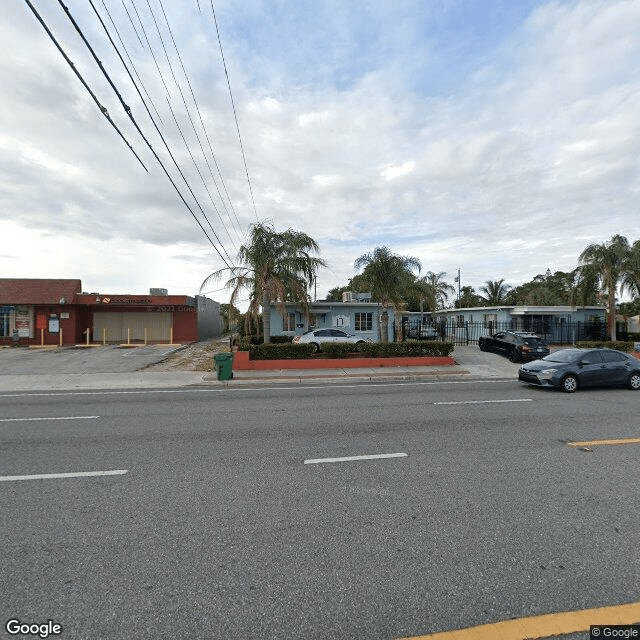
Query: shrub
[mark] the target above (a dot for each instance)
(282, 351)
(281, 339)
(339, 349)
(619, 345)
(408, 348)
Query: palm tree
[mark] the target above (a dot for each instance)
(435, 290)
(495, 292)
(389, 276)
(275, 267)
(606, 265)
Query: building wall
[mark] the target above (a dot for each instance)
(210, 322)
(336, 315)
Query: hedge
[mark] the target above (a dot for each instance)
(339, 349)
(407, 348)
(280, 351)
(619, 345)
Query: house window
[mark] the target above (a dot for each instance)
(289, 322)
(363, 321)
(460, 320)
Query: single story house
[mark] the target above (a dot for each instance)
(57, 311)
(365, 319)
(555, 323)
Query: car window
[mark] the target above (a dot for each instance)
(613, 356)
(322, 333)
(592, 357)
(336, 333)
(509, 337)
(534, 342)
(563, 355)
(498, 335)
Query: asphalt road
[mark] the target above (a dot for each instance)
(219, 529)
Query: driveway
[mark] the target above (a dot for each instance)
(485, 364)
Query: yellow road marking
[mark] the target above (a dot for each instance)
(545, 626)
(593, 443)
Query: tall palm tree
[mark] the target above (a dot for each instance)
(389, 276)
(276, 267)
(495, 291)
(606, 265)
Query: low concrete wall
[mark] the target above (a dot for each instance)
(241, 362)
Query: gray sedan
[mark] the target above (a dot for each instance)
(570, 369)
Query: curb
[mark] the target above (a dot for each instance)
(333, 378)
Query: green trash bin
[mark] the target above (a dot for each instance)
(223, 365)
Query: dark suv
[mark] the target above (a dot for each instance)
(516, 345)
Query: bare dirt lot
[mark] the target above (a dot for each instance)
(197, 356)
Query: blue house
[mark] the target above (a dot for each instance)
(358, 315)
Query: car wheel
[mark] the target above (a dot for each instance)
(316, 347)
(634, 381)
(482, 345)
(514, 356)
(569, 383)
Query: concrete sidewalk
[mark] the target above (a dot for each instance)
(472, 364)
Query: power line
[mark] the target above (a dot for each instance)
(235, 115)
(102, 108)
(204, 129)
(106, 75)
(163, 140)
(150, 48)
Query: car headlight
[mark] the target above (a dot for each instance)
(548, 372)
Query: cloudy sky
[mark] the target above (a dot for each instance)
(498, 137)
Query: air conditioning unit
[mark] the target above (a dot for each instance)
(348, 296)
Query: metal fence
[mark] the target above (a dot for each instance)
(464, 333)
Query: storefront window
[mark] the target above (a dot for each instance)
(5, 321)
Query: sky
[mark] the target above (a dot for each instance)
(497, 137)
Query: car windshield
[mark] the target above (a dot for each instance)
(534, 342)
(564, 355)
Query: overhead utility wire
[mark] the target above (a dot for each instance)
(102, 108)
(162, 138)
(150, 48)
(184, 100)
(175, 120)
(125, 106)
(204, 129)
(235, 115)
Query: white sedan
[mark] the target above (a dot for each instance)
(318, 337)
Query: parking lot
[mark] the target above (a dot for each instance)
(103, 359)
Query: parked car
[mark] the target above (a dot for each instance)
(570, 369)
(421, 332)
(318, 337)
(516, 345)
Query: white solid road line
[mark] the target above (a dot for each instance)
(52, 418)
(377, 456)
(77, 474)
(486, 401)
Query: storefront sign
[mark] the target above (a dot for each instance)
(23, 322)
